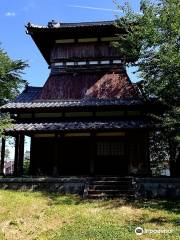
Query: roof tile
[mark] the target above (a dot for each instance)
(78, 126)
(29, 94)
(58, 104)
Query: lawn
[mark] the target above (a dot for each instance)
(38, 215)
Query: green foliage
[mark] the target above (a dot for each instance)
(26, 165)
(10, 83)
(5, 122)
(151, 42)
(10, 76)
(158, 153)
(154, 37)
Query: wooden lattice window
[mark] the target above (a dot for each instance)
(110, 148)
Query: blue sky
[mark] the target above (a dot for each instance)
(14, 15)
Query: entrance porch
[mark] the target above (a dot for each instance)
(79, 155)
(118, 153)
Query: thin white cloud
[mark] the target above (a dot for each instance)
(95, 8)
(29, 6)
(10, 14)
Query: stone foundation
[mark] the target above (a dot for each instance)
(164, 187)
(73, 185)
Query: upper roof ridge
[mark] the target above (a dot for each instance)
(56, 24)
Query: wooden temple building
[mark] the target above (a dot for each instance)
(88, 118)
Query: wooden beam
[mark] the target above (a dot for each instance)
(80, 134)
(65, 40)
(108, 39)
(110, 134)
(85, 40)
(44, 135)
(3, 144)
(19, 155)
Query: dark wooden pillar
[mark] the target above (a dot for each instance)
(55, 157)
(3, 144)
(147, 155)
(61, 154)
(19, 155)
(93, 154)
(31, 168)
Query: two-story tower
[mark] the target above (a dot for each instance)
(88, 118)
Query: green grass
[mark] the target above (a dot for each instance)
(41, 216)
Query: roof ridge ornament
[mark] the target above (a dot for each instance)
(31, 25)
(53, 24)
(26, 87)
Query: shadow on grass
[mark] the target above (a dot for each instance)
(172, 206)
(164, 220)
(158, 221)
(62, 199)
(169, 205)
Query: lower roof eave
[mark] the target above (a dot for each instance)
(92, 131)
(81, 104)
(79, 126)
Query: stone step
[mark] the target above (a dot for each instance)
(110, 187)
(111, 192)
(100, 182)
(113, 178)
(109, 196)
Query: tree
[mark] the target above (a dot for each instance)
(151, 42)
(10, 82)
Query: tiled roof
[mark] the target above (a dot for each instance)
(45, 36)
(45, 104)
(58, 92)
(54, 24)
(78, 126)
(29, 94)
